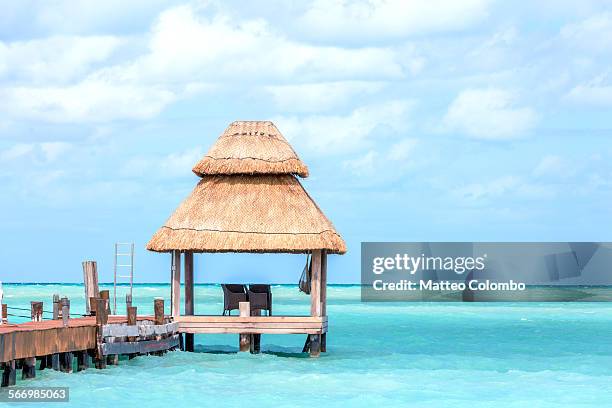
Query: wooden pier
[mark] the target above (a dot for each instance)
(101, 339)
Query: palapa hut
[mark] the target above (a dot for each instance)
(250, 200)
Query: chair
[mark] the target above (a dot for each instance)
(260, 298)
(232, 295)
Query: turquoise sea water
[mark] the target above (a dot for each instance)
(386, 355)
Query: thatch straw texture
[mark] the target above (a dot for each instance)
(266, 213)
(255, 147)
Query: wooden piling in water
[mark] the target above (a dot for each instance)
(4, 316)
(90, 281)
(132, 314)
(9, 373)
(82, 360)
(65, 305)
(189, 303)
(55, 358)
(158, 306)
(104, 294)
(66, 360)
(315, 345)
(28, 368)
(245, 338)
(255, 337)
(101, 320)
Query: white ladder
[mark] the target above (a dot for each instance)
(124, 251)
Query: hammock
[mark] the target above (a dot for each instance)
(304, 284)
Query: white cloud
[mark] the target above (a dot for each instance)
(594, 93)
(53, 59)
(53, 150)
(172, 165)
(179, 164)
(592, 34)
(505, 186)
(488, 114)
(383, 163)
(363, 165)
(87, 101)
(334, 134)
(317, 97)
(494, 188)
(16, 151)
(187, 44)
(47, 151)
(591, 95)
(384, 19)
(401, 150)
(550, 165)
(187, 52)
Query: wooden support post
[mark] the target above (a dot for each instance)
(132, 312)
(102, 316)
(158, 306)
(112, 359)
(65, 311)
(132, 315)
(28, 368)
(90, 281)
(176, 284)
(66, 360)
(315, 345)
(323, 342)
(56, 307)
(4, 316)
(44, 362)
(189, 304)
(9, 373)
(1, 305)
(324, 296)
(92, 306)
(255, 343)
(255, 337)
(315, 284)
(306, 347)
(36, 311)
(245, 338)
(55, 358)
(104, 294)
(82, 360)
(101, 320)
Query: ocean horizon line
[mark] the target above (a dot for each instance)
(160, 283)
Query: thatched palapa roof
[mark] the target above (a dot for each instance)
(248, 200)
(251, 148)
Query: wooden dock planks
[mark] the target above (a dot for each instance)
(36, 339)
(253, 324)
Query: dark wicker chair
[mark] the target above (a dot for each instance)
(232, 295)
(260, 298)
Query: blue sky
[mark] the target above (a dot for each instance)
(420, 121)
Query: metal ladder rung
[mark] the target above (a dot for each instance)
(124, 254)
(124, 276)
(126, 266)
